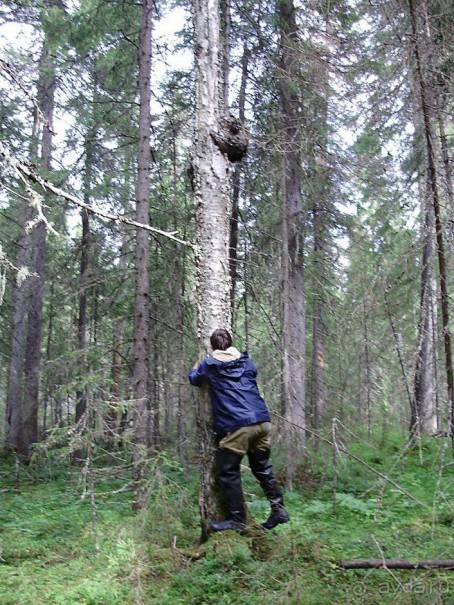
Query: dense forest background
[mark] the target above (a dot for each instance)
(340, 224)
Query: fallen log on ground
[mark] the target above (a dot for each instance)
(397, 564)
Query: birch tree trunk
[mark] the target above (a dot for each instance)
(211, 196)
(294, 328)
(142, 417)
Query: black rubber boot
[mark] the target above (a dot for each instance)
(278, 515)
(228, 466)
(263, 471)
(227, 524)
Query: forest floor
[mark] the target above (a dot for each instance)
(53, 551)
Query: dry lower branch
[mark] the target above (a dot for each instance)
(397, 564)
(368, 466)
(26, 171)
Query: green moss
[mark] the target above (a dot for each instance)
(48, 556)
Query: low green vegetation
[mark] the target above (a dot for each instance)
(56, 549)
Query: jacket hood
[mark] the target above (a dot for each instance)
(229, 354)
(229, 363)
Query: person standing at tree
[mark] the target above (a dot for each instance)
(242, 424)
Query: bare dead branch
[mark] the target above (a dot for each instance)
(26, 171)
(368, 466)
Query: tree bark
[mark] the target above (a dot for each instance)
(115, 373)
(224, 52)
(155, 437)
(211, 196)
(142, 417)
(320, 205)
(49, 382)
(367, 372)
(236, 183)
(318, 337)
(179, 272)
(438, 88)
(423, 410)
(117, 347)
(23, 397)
(432, 175)
(14, 395)
(294, 328)
(444, 145)
(81, 395)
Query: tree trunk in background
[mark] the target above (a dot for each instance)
(14, 395)
(23, 389)
(294, 329)
(444, 145)
(179, 273)
(155, 437)
(236, 182)
(318, 334)
(181, 375)
(33, 349)
(38, 241)
(117, 358)
(246, 296)
(81, 395)
(211, 196)
(115, 373)
(434, 191)
(224, 54)
(168, 405)
(438, 86)
(423, 412)
(48, 388)
(368, 371)
(434, 361)
(321, 203)
(142, 418)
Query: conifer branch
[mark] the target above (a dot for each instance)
(22, 169)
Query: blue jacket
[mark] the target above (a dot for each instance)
(234, 392)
